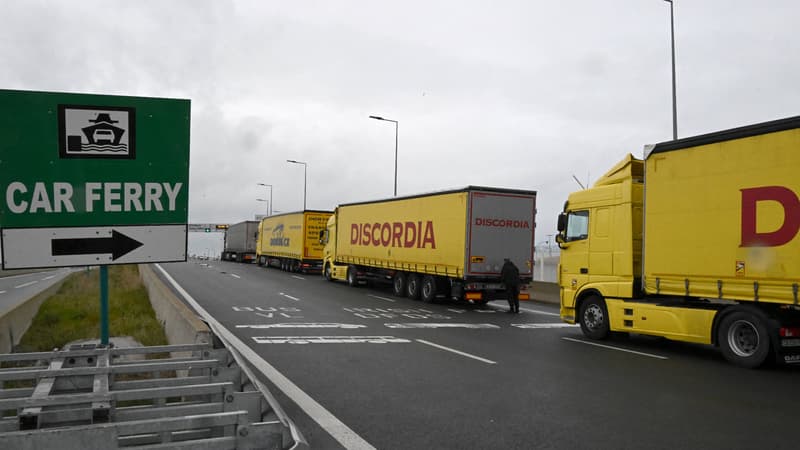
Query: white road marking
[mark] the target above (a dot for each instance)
(289, 297)
(235, 276)
(487, 361)
(327, 421)
(544, 325)
(299, 278)
(544, 313)
(474, 326)
(346, 326)
(459, 311)
(26, 284)
(48, 278)
(2, 292)
(380, 298)
(615, 348)
(330, 340)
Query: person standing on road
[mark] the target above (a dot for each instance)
(510, 276)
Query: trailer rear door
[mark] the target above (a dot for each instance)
(501, 225)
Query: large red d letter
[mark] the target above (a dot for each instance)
(791, 216)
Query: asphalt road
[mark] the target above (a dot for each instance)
(392, 373)
(19, 288)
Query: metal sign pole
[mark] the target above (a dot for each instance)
(104, 305)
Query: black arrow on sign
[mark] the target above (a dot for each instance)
(118, 245)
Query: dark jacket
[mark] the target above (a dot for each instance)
(510, 274)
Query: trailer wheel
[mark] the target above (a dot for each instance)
(593, 317)
(744, 339)
(352, 280)
(428, 289)
(412, 286)
(261, 261)
(399, 284)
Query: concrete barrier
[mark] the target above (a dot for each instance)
(544, 292)
(15, 322)
(180, 323)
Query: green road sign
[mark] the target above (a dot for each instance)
(96, 164)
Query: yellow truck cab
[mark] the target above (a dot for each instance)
(697, 242)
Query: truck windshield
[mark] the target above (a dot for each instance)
(577, 226)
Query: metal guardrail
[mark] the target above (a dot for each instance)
(197, 396)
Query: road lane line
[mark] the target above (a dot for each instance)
(48, 278)
(26, 284)
(487, 361)
(2, 292)
(380, 298)
(327, 421)
(298, 277)
(615, 348)
(235, 276)
(289, 297)
(536, 311)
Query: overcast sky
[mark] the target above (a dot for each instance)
(516, 94)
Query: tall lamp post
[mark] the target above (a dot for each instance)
(305, 178)
(395, 148)
(674, 96)
(269, 205)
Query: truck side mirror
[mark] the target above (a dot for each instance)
(322, 236)
(562, 222)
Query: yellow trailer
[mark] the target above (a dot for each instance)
(444, 244)
(698, 242)
(291, 240)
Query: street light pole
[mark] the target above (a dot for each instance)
(269, 204)
(305, 178)
(395, 147)
(674, 95)
(269, 211)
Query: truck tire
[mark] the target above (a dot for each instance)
(326, 272)
(428, 289)
(261, 260)
(412, 286)
(744, 339)
(593, 317)
(399, 284)
(352, 279)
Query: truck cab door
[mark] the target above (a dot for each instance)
(574, 265)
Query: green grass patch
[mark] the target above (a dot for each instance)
(73, 313)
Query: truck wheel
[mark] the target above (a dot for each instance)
(744, 339)
(428, 289)
(399, 284)
(351, 276)
(593, 317)
(261, 261)
(327, 272)
(412, 286)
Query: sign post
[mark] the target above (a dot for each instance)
(92, 180)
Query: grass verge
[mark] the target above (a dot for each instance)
(73, 313)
